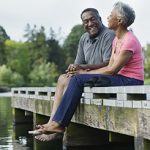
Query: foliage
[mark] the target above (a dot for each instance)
(3, 35)
(3, 38)
(10, 78)
(44, 48)
(38, 60)
(55, 54)
(147, 62)
(71, 43)
(36, 41)
(44, 74)
(18, 57)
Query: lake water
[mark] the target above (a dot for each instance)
(7, 141)
(16, 137)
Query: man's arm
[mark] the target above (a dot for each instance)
(80, 57)
(76, 67)
(108, 38)
(94, 66)
(114, 66)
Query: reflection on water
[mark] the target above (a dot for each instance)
(6, 129)
(7, 141)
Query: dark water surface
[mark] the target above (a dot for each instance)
(16, 137)
(6, 129)
(7, 139)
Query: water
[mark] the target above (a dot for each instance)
(6, 129)
(7, 139)
(16, 137)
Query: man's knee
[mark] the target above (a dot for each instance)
(63, 79)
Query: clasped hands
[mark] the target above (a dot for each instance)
(75, 69)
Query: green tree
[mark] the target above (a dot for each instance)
(44, 48)
(44, 75)
(147, 63)
(9, 78)
(70, 45)
(18, 58)
(3, 38)
(36, 41)
(55, 52)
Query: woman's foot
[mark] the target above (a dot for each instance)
(53, 127)
(41, 126)
(44, 125)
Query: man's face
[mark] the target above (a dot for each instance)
(91, 23)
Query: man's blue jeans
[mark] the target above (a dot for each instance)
(73, 93)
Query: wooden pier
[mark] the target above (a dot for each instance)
(105, 114)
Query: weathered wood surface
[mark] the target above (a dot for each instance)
(124, 110)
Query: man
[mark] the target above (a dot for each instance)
(95, 45)
(94, 52)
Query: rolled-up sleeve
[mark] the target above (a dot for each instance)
(80, 57)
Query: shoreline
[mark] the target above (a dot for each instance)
(5, 94)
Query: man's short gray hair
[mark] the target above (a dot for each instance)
(126, 13)
(93, 10)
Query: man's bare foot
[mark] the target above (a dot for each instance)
(50, 137)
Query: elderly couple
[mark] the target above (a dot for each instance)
(102, 52)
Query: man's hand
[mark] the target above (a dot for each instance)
(73, 67)
(80, 71)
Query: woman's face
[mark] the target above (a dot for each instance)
(113, 20)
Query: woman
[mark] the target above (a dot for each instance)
(125, 68)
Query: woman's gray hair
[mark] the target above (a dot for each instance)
(126, 13)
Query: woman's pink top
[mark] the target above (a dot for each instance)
(135, 66)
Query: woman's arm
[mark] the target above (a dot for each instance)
(113, 66)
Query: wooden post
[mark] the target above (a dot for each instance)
(138, 143)
(23, 122)
(81, 135)
(20, 117)
(146, 144)
(120, 140)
